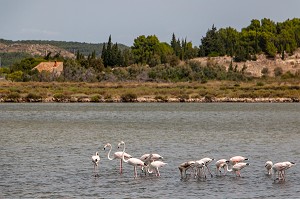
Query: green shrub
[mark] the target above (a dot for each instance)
(60, 97)
(13, 96)
(161, 98)
(32, 96)
(128, 97)
(95, 98)
(259, 84)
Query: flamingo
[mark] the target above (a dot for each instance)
(95, 160)
(199, 165)
(237, 159)
(221, 164)
(237, 168)
(117, 155)
(153, 166)
(131, 161)
(185, 166)
(280, 167)
(148, 158)
(207, 161)
(153, 157)
(268, 166)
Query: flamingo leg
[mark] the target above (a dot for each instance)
(209, 171)
(121, 165)
(135, 173)
(158, 172)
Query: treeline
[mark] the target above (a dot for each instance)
(263, 36)
(148, 59)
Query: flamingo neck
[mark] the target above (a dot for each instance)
(228, 170)
(108, 155)
(124, 154)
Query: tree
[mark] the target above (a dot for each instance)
(111, 54)
(175, 44)
(211, 44)
(145, 49)
(230, 38)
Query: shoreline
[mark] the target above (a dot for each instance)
(153, 100)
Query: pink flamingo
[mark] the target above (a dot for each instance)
(199, 165)
(117, 155)
(222, 163)
(153, 166)
(148, 158)
(132, 161)
(95, 160)
(268, 166)
(152, 156)
(237, 168)
(281, 167)
(183, 167)
(237, 159)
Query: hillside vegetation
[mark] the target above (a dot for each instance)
(260, 61)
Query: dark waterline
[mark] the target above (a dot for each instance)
(46, 149)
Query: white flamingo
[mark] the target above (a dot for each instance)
(207, 161)
(117, 155)
(153, 166)
(132, 161)
(281, 167)
(183, 167)
(95, 160)
(268, 166)
(222, 163)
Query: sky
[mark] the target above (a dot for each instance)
(93, 21)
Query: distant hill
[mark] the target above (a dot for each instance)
(11, 51)
(72, 47)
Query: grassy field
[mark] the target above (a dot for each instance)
(108, 91)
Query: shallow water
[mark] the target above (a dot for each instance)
(46, 149)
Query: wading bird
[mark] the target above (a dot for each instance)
(222, 163)
(117, 155)
(153, 167)
(237, 168)
(237, 159)
(268, 166)
(281, 167)
(199, 168)
(183, 167)
(95, 160)
(207, 161)
(132, 161)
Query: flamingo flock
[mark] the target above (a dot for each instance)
(149, 163)
(152, 162)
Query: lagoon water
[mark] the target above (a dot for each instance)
(46, 149)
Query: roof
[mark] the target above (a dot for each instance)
(56, 67)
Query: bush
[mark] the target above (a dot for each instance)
(33, 97)
(161, 98)
(13, 96)
(128, 97)
(96, 98)
(278, 71)
(259, 84)
(60, 97)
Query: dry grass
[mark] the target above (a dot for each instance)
(256, 88)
